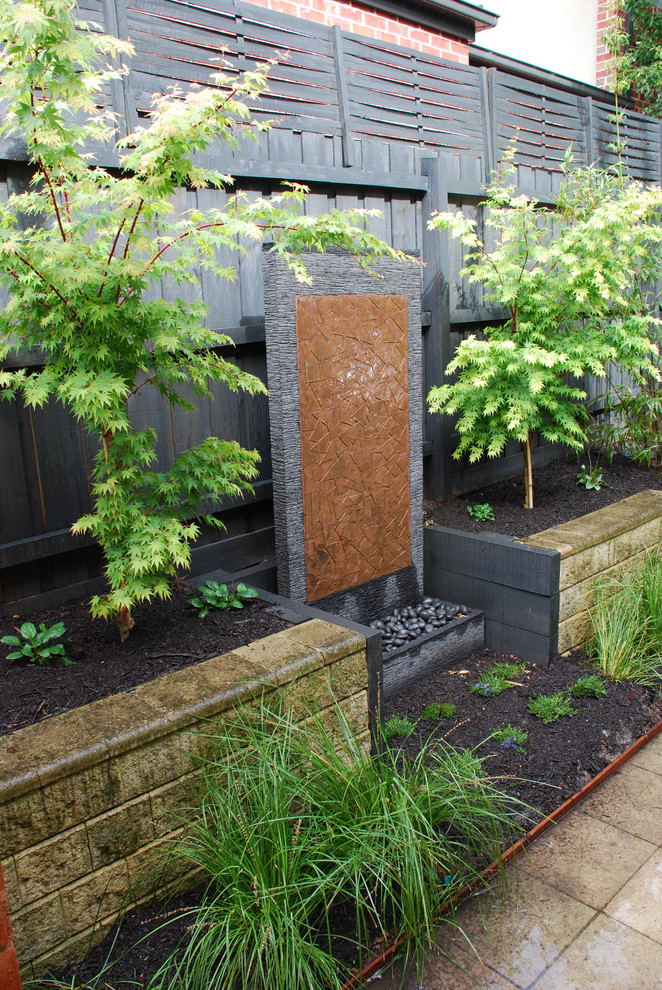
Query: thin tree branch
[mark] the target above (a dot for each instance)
(49, 284)
(110, 256)
(152, 261)
(58, 215)
(137, 388)
(133, 227)
(126, 247)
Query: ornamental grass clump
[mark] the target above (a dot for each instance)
(296, 822)
(84, 251)
(625, 635)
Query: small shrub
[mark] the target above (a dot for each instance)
(482, 512)
(397, 725)
(588, 687)
(511, 737)
(497, 679)
(37, 645)
(551, 707)
(212, 596)
(440, 709)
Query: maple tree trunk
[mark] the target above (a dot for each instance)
(528, 473)
(125, 623)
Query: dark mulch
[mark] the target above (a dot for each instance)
(168, 636)
(558, 498)
(559, 759)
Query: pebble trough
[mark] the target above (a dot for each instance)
(418, 640)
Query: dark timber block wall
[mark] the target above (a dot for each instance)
(517, 586)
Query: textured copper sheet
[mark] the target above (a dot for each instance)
(353, 381)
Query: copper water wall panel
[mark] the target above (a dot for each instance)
(354, 411)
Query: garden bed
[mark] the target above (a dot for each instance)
(87, 796)
(536, 591)
(558, 498)
(557, 760)
(168, 636)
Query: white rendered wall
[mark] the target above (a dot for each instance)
(559, 35)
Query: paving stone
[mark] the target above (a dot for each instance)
(639, 903)
(631, 800)
(607, 956)
(586, 858)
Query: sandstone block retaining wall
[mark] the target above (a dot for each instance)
(536, 592)
(87, 798)
(592, 548)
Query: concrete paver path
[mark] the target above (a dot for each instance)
(581, 909)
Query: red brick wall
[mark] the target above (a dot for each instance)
(353, 17)
(9, 977)
(607, 15)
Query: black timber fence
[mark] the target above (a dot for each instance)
(363, 123)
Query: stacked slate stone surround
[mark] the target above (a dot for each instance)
(336, 274)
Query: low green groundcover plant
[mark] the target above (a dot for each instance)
(588, 687)
(625, 638)
(551, 707)
(497, 679)
(511, 737)
(591, 478)
(38, 645)
(397, 725)
(212, 596)
(301, 820)
(439, 709)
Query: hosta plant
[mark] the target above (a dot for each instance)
(38, 645)
(212, 596)
(83, 252)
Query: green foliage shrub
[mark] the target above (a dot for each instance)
(482, 512)
(588, 687)
(636, 42)
(497, 679)
(83, 249)
(551, 707)
(397, 725)
(439, 709)
(572, 279)
(511, 737)
(212, 596)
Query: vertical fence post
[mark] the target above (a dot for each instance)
(115, 23)
(348, 156)
(488, 122)
(587, 104)
(9, 975)
(437, 340)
